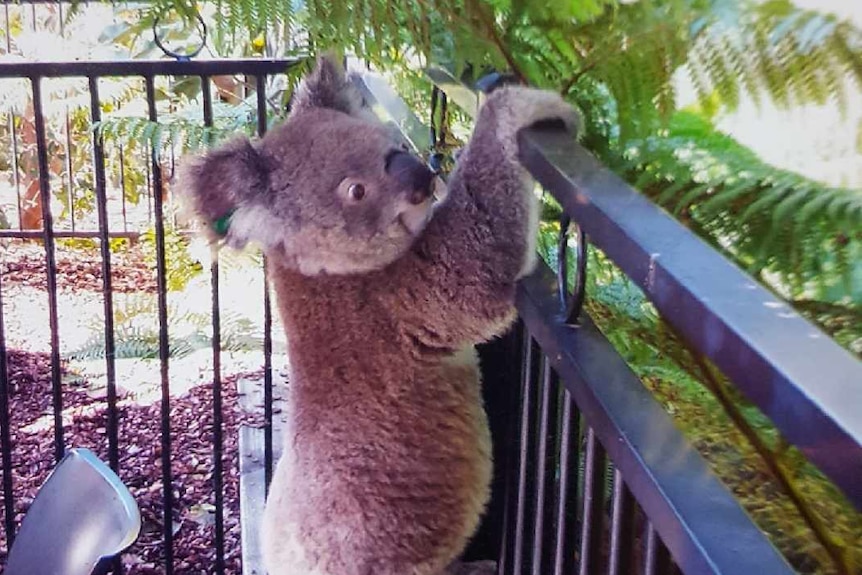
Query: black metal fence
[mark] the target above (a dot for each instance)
(568, 416)
(148, 71)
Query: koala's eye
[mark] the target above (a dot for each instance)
(356, 192)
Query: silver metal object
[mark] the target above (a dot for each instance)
(82, 517)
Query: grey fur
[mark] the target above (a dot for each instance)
(387, 458)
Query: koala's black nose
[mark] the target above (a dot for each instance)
(411, 175)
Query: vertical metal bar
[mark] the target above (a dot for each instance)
(6, 436)
(51, 266)
(527, 386)
(656, 558)
(218, 482)
(432, 124)
(107, 288)
(622, 527)
(62, 24)
(591, 530)
(164, 351)
(112, 425)
(16, 169)
(260, 86)
(567, 488)
(545, 466)
(70, 192)
(267, 318)
(507, 463)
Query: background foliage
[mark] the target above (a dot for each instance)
(619, 62)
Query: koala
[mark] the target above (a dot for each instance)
(385, 278)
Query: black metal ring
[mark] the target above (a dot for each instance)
(574, 303)
(181, 57)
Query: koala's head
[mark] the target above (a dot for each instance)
(332, 189)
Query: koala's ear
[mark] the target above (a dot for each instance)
(328, 87)
(215, 184)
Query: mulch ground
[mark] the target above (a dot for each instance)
(24, 264)
(85, 425)
(140, 461)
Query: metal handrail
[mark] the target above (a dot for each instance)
(117, 68)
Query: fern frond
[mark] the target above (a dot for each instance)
(774, 219)
(794, 56)
(181, 131)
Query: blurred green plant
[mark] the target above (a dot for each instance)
(180, 266)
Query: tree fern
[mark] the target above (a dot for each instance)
(617, 62)
(777, 221)
(182, 130)
(794, 56)
(732, 48)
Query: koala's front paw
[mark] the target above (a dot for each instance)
(519, 107)
(513, 108)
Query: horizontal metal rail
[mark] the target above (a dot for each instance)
(807, 384)
(95, 68)
(38, 235)
(696, 516)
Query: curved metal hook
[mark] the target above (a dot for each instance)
(181, 57)
(574, 303)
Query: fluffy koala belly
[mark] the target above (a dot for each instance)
(392, 487)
